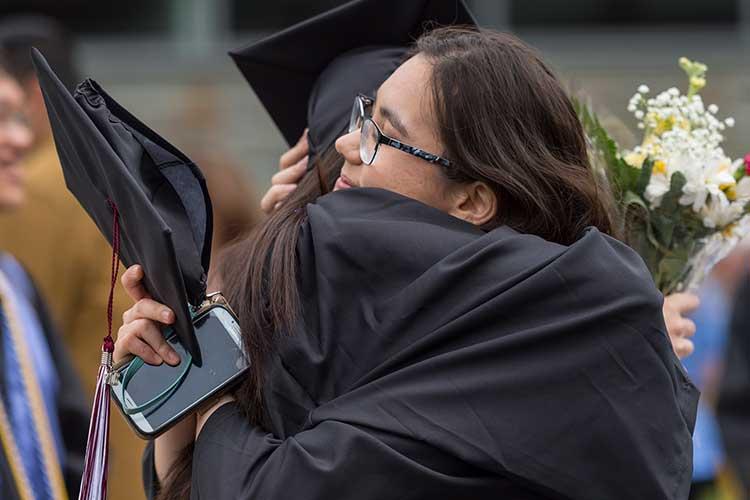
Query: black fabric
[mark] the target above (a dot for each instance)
(438, 361)
(71, 406)
(164, 209)
(283, 69)
(733, 406)
(148, 471)
(359, 71)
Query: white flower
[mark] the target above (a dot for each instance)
(658, 186)
(742, 190)
(720, 212)
(729, 121)
(643, 89)
(703, 179)
(713, 109)
(639, 114)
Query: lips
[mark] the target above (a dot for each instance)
(343, 182)
(12, 173)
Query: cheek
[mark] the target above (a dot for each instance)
(411, 179)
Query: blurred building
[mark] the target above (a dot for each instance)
(149, 54)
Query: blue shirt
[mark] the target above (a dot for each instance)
(45, 370)
(711, 321)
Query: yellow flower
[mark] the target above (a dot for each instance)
(697, 83)
(660, 167)
(731, 193)
(635, 159)
(696, 73)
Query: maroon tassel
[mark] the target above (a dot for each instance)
(94, 479)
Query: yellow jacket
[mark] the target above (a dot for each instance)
(70, 262)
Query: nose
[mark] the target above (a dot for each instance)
(348, 146)
(16, 137)
(22, 138)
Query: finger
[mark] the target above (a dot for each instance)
(128, 344)
(291, 175)
(132, 281)
(137, 347)
(683, 303)
(149, 309)
(686, 328)
(149, 332)
(683, 348)
(294, 154)
(275, 195)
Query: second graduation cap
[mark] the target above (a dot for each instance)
(109, 157)
(372, 35)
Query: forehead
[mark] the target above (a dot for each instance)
(408, 82)
(407, 94)
(11, 94)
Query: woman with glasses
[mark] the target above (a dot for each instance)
(455, 328)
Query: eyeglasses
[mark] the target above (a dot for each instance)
(359, 113)
(10, 118)
(371, 137)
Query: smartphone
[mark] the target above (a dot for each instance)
(169, 393)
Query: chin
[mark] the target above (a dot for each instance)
(11, 199)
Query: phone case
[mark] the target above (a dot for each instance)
(120, 369)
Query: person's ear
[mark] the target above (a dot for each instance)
(474, 202)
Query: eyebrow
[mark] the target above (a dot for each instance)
(392, 117)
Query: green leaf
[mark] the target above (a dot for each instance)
(604, 152)
(630, 198)
(670, 201)
(644, 176)
(671, 270)
(663, 227)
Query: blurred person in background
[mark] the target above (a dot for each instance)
(43, 410)
(733, 394)
(55, 240)
(711, 479)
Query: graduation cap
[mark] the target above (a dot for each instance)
(309, 74)
(111, 159)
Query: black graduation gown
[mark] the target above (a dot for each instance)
(72, 408)
(439, 361)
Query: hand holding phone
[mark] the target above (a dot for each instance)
(155, 396)
(152, 398)
(140, 335)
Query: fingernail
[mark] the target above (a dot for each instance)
(303, 161)
(166, 315)
(174, 358)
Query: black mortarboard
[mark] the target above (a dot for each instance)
(165, 217)
(352, 48)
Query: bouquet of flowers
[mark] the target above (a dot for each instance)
(683, 202)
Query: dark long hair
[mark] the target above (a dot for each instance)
(503, 118)
(514, 127)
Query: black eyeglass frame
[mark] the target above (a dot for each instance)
(358, 115)
(358, 120)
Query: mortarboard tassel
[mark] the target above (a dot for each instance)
(94, 479)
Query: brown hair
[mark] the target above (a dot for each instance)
(512, 127)
(515, 128)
